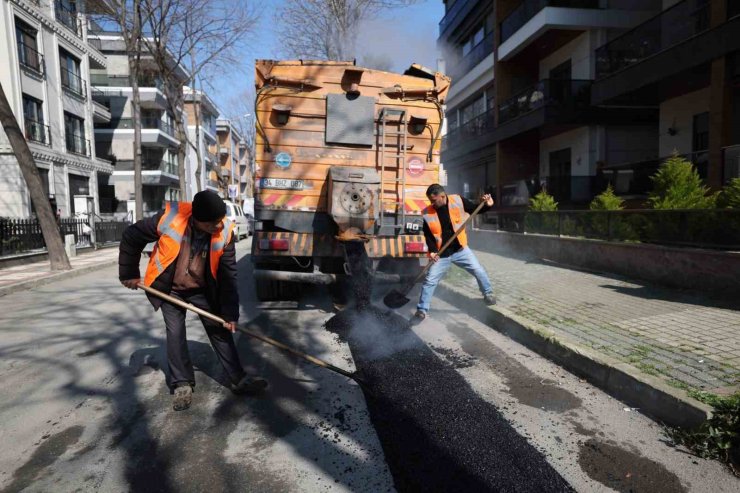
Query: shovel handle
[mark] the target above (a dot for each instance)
(449, 242)
(268, 340)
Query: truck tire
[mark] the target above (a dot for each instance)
(267, 290)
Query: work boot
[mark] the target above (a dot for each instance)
(183, 397)
(418, 318)
(489, 299)
(249, 386)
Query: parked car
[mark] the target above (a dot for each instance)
(243, 224)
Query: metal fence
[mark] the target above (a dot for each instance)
(711, 228)
(19, 236)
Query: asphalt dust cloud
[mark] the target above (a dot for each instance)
(437, 433)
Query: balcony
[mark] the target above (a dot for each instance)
(633, 179)
(209, 156)
(568, 94)
(478, 126)
(224, 150)
(105, 80)
(77, 144)
(459, 10)
(154, 132)
(37, 132)
(529, 8)
(153, 172)
(67, 18)
(73, 84)
(731, 163)
(31, 60)
(473, 58)
(670, 27)
(150, 89)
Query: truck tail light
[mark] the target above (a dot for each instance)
(281, 245)
(415, 247)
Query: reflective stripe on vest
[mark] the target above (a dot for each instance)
(171, 228)
(457, 217)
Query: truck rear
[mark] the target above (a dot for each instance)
(344, 155)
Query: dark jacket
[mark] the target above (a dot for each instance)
(222, 293)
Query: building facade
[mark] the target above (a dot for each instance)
(573, 98)
(47, 57)
(233, 173)
(202, 114)
(115, 138)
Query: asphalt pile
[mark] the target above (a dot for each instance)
(437, 433)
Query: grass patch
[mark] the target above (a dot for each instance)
(719, 437)
(678, 384)
(648, 368)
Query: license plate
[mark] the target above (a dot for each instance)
(282, 183)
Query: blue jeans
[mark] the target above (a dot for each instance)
(463, 258)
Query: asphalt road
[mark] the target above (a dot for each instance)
(85, 407)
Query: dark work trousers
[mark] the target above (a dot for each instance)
(178, 356)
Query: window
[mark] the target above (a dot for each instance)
(473, 40)
(33, 117)
(74, 132)
(473, 109)
(28, 54)
(66, 13)
(71, 75)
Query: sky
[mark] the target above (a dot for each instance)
(405, 36)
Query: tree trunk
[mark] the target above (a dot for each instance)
(182, 147)
(198, 153)
(134, 58)
(49, 227)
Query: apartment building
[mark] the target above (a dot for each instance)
(115, 138)
(203, 135)
(47, 56)
(233, 171)
(574, 99)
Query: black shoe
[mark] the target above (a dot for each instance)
(249, 386)
(183, 397)
(418, 318)
(489, 299)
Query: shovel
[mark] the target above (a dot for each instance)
(312, 359)
(396, 298)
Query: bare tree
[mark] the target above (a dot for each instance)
(127, 17)
(49, 229)
(326, 29)
(204, 37)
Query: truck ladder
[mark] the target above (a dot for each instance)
(393, 118)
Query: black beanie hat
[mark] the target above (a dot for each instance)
(208, 206)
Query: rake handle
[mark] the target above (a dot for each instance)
(265, 339)
(448, 243)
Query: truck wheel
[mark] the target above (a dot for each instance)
(267, 290)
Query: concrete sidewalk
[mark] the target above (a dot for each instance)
(672, 342)
(27, 276)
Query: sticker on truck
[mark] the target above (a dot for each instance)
(283, 184)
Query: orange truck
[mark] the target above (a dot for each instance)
(344, 155)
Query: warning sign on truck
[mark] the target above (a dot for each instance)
(415, 166)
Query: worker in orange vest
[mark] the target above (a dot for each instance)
(442, 218)
(194, 260)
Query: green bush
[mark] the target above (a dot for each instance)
(677, 185)
(607, 201)
(729, 198)
(543, 202)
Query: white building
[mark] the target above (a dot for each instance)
(203, 138)
(45, 62)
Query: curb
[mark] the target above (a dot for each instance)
(650, 395)
(25, 285)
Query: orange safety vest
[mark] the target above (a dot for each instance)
(171, 229)
(457, 216)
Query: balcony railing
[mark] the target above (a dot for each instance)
(73, 83)
(146, 124)
(476, 55)
(572, 93)
(148, 165)
(731, 160)
(77, 144)
(635, 178)
(38, 132)
(68, 18)
(31, 59)
(475, 127)
(104, 80)
(676, 24)
(529, 8)
(452, 14)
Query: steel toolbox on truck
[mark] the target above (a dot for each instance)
(343, 154)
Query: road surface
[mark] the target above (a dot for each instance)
(85, 406)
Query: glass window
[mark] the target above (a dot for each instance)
(34, 120)
(74, 133)
(28, 54)
(70, 71)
